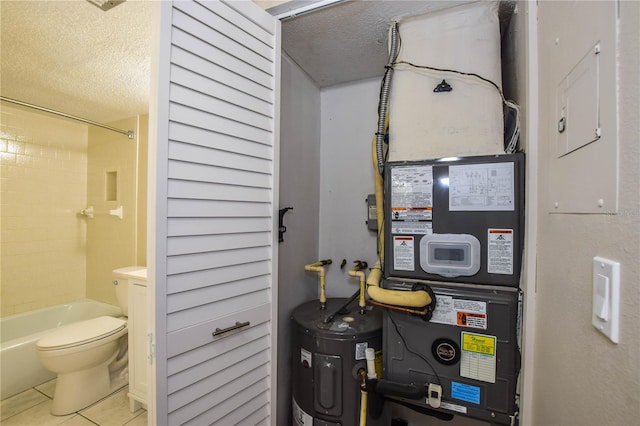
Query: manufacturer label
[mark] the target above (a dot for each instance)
(478, 358)
(445, 351)
(460, 312)
(299, 416)
(500, 251)
(412, 193)
(465, 392)
(360, 350)
(403, 254)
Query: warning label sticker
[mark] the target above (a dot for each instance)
(412, 193)
(460, 312)
(403, 254)
(500, 251)
(411, 227)
(478, 357)
(477, 187)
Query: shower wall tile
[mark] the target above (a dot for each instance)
(43, 176)
(111, 241)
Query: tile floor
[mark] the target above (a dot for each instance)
(31, 408)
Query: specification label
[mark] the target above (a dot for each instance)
(412, 193)
(478, 357)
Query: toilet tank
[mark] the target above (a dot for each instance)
(121, 277)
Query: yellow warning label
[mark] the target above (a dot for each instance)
(479, 343)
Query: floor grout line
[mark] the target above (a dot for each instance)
(25, 412)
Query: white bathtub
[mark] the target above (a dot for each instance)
(20, 368)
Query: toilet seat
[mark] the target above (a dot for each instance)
(81, 333)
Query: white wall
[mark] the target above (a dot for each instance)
(299, 188)
(349, 120)
(580, 376)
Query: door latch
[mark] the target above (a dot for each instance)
(281, 228)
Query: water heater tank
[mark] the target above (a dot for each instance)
(326, 358)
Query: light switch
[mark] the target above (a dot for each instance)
(606, 297)
(601, 297)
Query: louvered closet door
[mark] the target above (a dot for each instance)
(216, 174)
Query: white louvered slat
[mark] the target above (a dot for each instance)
(234, 404)
(217, 211)
(183, 38)
(223, 142)
(199, 334)
(214, 365)
(213, 191)
(216, 259)
(205, 173)
(216, 157)
(242, 390)
(206, 372)
(194, 96)
(191, 19)
(204, 243)
(239, 416)
(208, 352)
(219, 89)
(197, 279)
(217, 293)
(209, 121)
(216, 208)
(215, 225)
(264, 31)
(255, 418)
(195, 314)
(219, 22)
(217, 73)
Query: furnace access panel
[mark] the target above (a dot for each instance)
(455, 220)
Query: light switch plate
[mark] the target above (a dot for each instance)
(605, 313)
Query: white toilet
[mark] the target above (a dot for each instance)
(89, 356)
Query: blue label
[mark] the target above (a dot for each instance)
(466, 393)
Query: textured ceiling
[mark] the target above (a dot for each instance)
(73, 57)
(347, 41)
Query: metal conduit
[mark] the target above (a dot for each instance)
(129, 133)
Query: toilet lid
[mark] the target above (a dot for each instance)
(81, 332)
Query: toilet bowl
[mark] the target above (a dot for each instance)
(90, 357)
(81, 355)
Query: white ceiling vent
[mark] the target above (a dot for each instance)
(106, 4)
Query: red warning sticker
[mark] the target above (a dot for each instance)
(472, 319)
